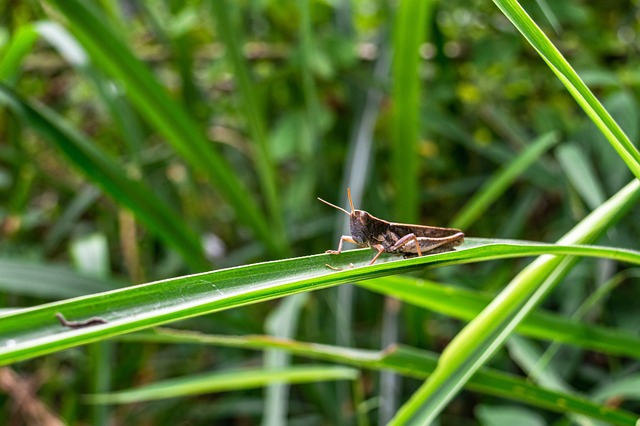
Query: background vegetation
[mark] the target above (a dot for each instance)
(148, 140)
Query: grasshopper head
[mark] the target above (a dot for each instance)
(359, 225)
(358, 221)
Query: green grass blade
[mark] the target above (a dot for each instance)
(35, 331)
(220, 381)
(19, 47)
(410, 26)
(479, 340)
(110, 176)
(170, 119)
(581, 93)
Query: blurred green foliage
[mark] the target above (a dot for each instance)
(194, 135)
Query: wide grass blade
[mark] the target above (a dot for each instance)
(35, 331)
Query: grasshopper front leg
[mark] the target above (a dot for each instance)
(380, 249)
(344, 238)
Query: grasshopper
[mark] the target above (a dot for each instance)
(397, 238)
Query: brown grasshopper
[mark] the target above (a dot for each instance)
(398, 238)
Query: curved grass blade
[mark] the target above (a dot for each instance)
(35, 331)
(110, 176)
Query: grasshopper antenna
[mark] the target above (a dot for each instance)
(336, 207)
(350, 200)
